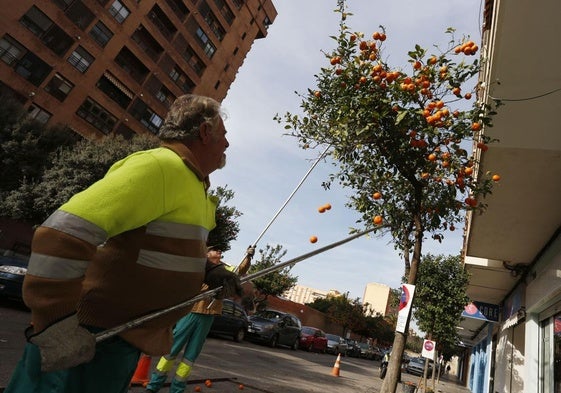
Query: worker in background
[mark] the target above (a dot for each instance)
(130, 244)
(189, 335)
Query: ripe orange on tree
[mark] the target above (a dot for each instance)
(476, 126)
(327, 206)
(377, 195)
(378, 220)
(313, 239)
(321, 209)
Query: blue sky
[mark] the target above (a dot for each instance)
(265, 166)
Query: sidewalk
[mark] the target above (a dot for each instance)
(450, 384)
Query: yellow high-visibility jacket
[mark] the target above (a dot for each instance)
(132, 243)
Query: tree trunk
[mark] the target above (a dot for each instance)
(394, 367)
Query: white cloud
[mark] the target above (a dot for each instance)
(264, 167)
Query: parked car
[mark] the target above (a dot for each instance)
(416, 366)
(313, 339)
(12, 272)
(336, 344)
(353, 350)
(232, 322)
(275, 328)
(366, 351)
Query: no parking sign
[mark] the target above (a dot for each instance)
(428, 349)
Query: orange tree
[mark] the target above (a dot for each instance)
(397, 137)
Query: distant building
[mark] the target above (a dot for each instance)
(106, 67)
(301, 294)
(378, 297)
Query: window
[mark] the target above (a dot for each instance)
(59, 87)
(79, 14)
(36, 21)
(239, 3)
(101, 34)
(212, 21)
(146, 116)
(38, 113)
(32, 68)
(174, 74)
(215, 26)
(194, 61)
(10, 50)
(205, 43)
(119, 11)
(96, 115)
(115, 90)
(50, 34)
(164, 95)
(225, 11)
(81, 59)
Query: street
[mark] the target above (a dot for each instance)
(231, 366)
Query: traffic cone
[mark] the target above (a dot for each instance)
(142, 373)
(337, 366)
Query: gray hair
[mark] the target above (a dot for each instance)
(186, 115)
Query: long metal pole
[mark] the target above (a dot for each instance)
(254, 244)
(139, 321)
(291, 195)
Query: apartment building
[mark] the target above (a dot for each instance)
(303, 294)
(114, 66)
(378, 297)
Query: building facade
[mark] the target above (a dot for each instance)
(302, 294)
(513, 250)
(378, 297)
(115, 66)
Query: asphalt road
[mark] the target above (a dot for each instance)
(230, 366)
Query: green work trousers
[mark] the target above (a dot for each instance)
(110, 371)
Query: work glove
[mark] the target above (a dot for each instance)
(250, 251)
(63, 345)
(218, 276)
(246, 263)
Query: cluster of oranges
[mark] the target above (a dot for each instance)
(468, 48)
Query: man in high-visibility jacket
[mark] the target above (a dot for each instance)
(191, 331)
(132, 243)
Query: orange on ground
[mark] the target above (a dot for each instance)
(378, 220)
(240, 386)
(496, 177)
(313, 239)
(197, 389)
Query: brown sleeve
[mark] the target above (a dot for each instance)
(49, 299)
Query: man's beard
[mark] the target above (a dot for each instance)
(222, 162)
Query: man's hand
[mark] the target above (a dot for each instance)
(218, 276)
(63, 345)
(250, 252)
